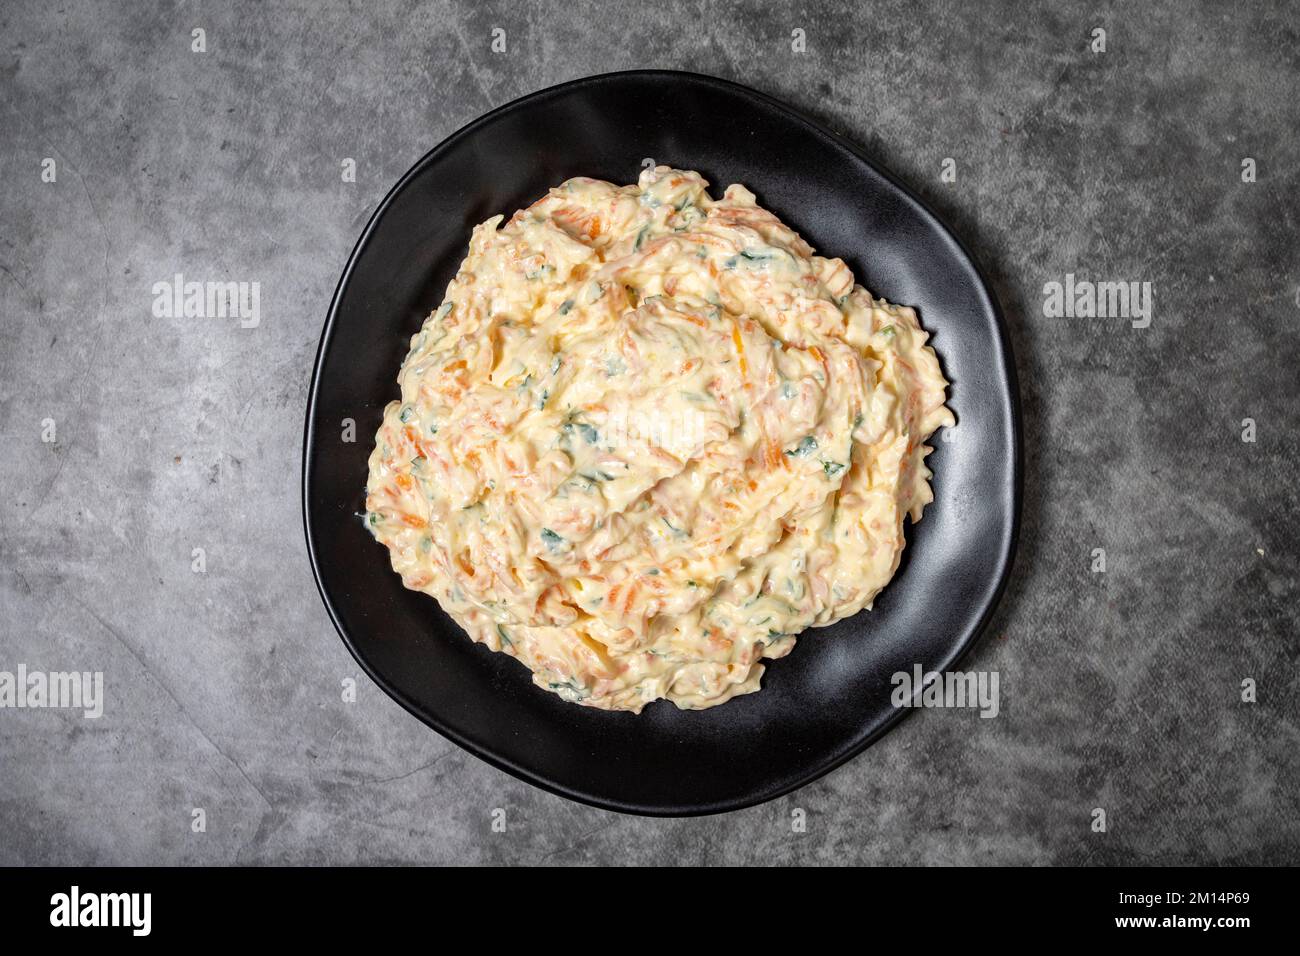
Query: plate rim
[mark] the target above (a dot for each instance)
(1006, 556)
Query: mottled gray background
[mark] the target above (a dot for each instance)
(1120, 690)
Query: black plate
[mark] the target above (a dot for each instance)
(830, 697)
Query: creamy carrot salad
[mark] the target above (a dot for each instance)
(649, 437)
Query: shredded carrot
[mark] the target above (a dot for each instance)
(664, 456)
(413, 521)
(404, 481)
(740, 346)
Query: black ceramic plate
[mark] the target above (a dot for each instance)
(830, 697)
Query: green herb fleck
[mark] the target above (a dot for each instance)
(569, 690)
(806, 447)
(677, 531)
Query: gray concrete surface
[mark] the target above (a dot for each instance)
(1121, 690)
